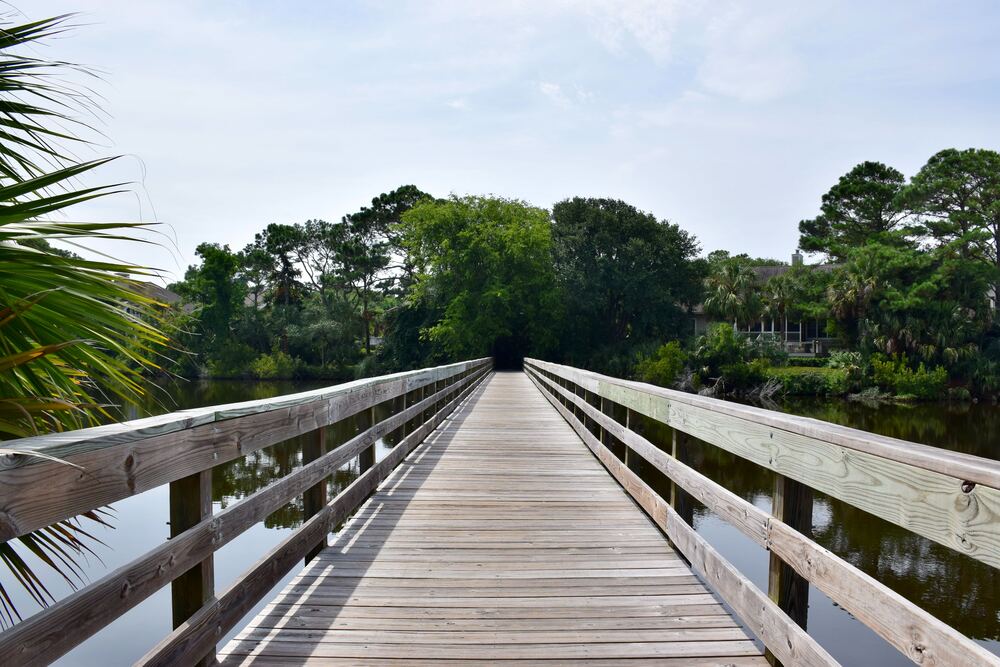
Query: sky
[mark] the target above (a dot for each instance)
(730, 119)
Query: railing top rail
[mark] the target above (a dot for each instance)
(964, 467)
(113, 434)
(120, 460)
(917, 634)
(47, 635)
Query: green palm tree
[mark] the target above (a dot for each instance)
(731, 292)
(75, 334)
(851, 293)
(780, 294)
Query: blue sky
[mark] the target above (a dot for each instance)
(728, 118)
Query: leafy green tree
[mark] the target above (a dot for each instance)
(319, 253)
(372, 240)
(719, 257)
(957, 195)
(932, 305)
(864, 205)
(214, 286)
(625, 276)
(484, 264)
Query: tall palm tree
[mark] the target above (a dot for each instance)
(851, 293)
(780, 293)
(75, 334)
(732, 292)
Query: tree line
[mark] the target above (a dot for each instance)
(910, 276)
(414, 280)
(910, 267)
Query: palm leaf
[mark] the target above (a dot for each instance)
(75, 334)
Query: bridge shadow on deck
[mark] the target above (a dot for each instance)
(500, 540)
(324, 596)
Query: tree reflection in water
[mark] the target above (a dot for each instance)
(959, 590)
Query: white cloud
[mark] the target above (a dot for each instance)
(751, 55)
(555, 93)
(649, 24)
(730, 119)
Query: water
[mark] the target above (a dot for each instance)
(140, 522)
(960, 591)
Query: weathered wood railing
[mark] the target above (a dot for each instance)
(181, 449)
(948, 497)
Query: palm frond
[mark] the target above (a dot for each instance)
(76, 334)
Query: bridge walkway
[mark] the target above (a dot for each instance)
(500, 539)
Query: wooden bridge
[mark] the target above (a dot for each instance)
(506, 525)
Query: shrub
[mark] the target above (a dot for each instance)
(768, 347)
(895, 374)
(233, 361)
(959, 394)
(798, 380)
(807, 362)
(719, 347)
(744, 375)
(368, 367)
(275, 366)
(844, 359)
(663, 367)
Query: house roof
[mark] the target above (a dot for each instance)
(765, 273)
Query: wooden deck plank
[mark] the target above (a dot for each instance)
(501, 539)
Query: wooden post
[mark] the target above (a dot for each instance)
(792, 504)
(314, 499)
(628, 426)
(366, 459)
(190, 503)
(679, 498)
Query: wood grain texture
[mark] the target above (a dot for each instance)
(914, 632)
(120, 460)
(916, 487)
(500, 539)
(50, 633)
(790, 643)
(656, 402)
(201, 633)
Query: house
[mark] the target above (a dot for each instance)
(807, 337)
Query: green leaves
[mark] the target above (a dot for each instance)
(863, 206)
(75, 334)
(484, 264)
(626, 277)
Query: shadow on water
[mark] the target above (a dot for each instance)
(322, 601)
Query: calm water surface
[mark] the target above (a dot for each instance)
(959, 590)
(140, 522)
(962, 592)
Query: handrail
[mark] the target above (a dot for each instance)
(120, 460)
(57, 629)
(916, 633)
(948, 497)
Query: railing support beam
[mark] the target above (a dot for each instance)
(190, 503)
(680, 500)
(314, 499)
(792, 503)
(366, 459)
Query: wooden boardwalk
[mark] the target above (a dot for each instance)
(500, 539)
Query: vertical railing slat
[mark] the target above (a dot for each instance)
(315, 497)
(190, 503)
